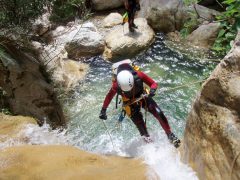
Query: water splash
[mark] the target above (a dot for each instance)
(32, 134)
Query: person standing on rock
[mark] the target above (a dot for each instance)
(132, 6)
(129, 83)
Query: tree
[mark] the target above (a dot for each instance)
(20, 12)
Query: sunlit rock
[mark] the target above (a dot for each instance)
(112, 20)
(86, 42)
(212, 135)
(65, 162)
(69, 73)
(42, 24)
(205, 35)
(121, 43)
(106, 4)
(163, 15)
(80, 40)
(10, 126)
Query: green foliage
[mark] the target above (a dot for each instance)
(20, 12)
(189, 25)
(192, 23)
(230, 24)
(67, 10)
(189, 2)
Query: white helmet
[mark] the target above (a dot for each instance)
(125, 80)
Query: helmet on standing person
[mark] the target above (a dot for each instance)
(125, 80)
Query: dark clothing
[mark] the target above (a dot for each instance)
(146, 79)
(131, 9)
(149, 104)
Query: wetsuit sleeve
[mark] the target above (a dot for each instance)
(147, 80)
(110, 95)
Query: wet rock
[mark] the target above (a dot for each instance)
(205, 35)
(27, 87)
(163, 15)
(65, 162)
(112, 20)
(10, 126)
(120, 43)
(106, 4)
(212, 135)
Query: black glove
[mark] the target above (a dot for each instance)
(152, 92)
(103, 114)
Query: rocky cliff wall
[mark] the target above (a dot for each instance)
(26, 86)
(212, 135)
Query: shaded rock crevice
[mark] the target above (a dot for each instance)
(27, 90)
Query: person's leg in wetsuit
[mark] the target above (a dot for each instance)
(131, 15)
(155, 110)
(137, 118)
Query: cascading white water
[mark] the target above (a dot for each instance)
(86, 131)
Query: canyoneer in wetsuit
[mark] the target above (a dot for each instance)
(132, 6)
(130, 85)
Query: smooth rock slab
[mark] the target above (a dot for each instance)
(120, 43)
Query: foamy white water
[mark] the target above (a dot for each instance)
(162, 158)
(32, 134)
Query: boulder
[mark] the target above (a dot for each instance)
(204, 12)
(69, 73)
(120, 43)
(10, 126)
(163, 15)
(112, 20)
(197, 15)
(212, 135)
(86, 42)
(42, 24)
(27, 87)
(106, 4)
(65, 162)
(205, 35)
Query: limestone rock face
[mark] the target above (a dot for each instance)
(69, 73)
(27, 87)
(106, 4)
(120, 43)
(112, 20)
(212, 135)
(204, 12)
(11, 125)
(87, 42)
(65, 162)
(163, 15)
(42, 24)
(205, 35)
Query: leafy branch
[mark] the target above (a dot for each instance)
(230, 25)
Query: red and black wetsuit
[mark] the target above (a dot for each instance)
(149, 103)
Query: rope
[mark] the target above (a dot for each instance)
(233, 163)
(109, 135)
(47, 54)
(195, 82)
(185, 85)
